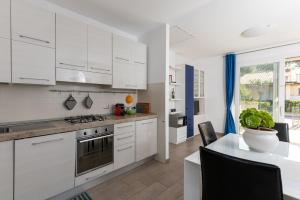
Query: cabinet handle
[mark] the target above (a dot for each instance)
(72, 65)
(137, 62)
(96, 138)
(47, 141)
(119, 127)
(94, 177)
(122, 138)
(119, 58)
(129, 85)
(102, 69)
(35, 79)
(31, 38)
(147, 123)
(125, 148)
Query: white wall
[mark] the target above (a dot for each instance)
(158, 85)
(24, 102)
(215, 106)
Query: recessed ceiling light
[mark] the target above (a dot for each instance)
(257, 31)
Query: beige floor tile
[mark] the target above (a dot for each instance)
(172, 193)
(151, 192)
(153, 180)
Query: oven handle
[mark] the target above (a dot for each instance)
(96, 138)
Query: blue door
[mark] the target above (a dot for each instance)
(189, 99)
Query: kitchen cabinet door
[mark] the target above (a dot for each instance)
(5, 61)
(6, 170)
(99, 51)
(32, 64)
(124, 155)
(139, 53)
(141, 77)
(122, 49)
(32, 24)
(71, 44)
(146, 138)
(5, 19)
(124, 75)
(44, 166)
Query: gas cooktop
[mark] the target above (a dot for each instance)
(85, 119)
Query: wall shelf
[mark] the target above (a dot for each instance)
(175, 84)
(176, 99)
(174, 113)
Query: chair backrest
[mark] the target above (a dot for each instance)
(207, 133)
(227, 177)
(283, 131)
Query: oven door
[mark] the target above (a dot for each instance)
(94, 153)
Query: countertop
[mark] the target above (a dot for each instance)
(60, 126)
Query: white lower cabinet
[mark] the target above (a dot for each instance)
(6, 170)
(124, 144)
(146, 138)
(124, 155)
(44, 166)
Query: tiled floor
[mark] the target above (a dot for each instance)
(152, 180)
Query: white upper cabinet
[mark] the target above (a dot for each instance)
(139, 53)
(130, 64)
(99, 51)
(33, 44)
(5, 61)
(124, 75)
(6, 170)
(32, 24)
(5, 55)
(141, 79)
(122, 49)
(5, 19)
(71, 44)
(32, 64)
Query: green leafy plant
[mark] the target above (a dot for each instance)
(256, 119)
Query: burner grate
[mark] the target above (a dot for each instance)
(84, 119)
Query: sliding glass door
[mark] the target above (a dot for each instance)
(291, 99)
(258, 88)
(273, 87)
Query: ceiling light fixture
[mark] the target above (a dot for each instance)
(256, 31)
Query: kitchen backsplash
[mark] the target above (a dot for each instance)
(26, 103)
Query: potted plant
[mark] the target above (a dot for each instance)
(259, 134)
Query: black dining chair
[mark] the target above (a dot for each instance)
(207, 133)
(227, 177)
(283, 131)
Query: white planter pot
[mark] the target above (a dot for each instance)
(261, 140)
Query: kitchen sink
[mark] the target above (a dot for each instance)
(25, 127)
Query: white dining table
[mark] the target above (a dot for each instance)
(286, 156)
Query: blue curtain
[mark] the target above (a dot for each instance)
(230, 78)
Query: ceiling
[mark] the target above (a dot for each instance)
(212, 27)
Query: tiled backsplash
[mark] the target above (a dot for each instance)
(26, 102)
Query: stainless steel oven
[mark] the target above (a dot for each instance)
(95, 149)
